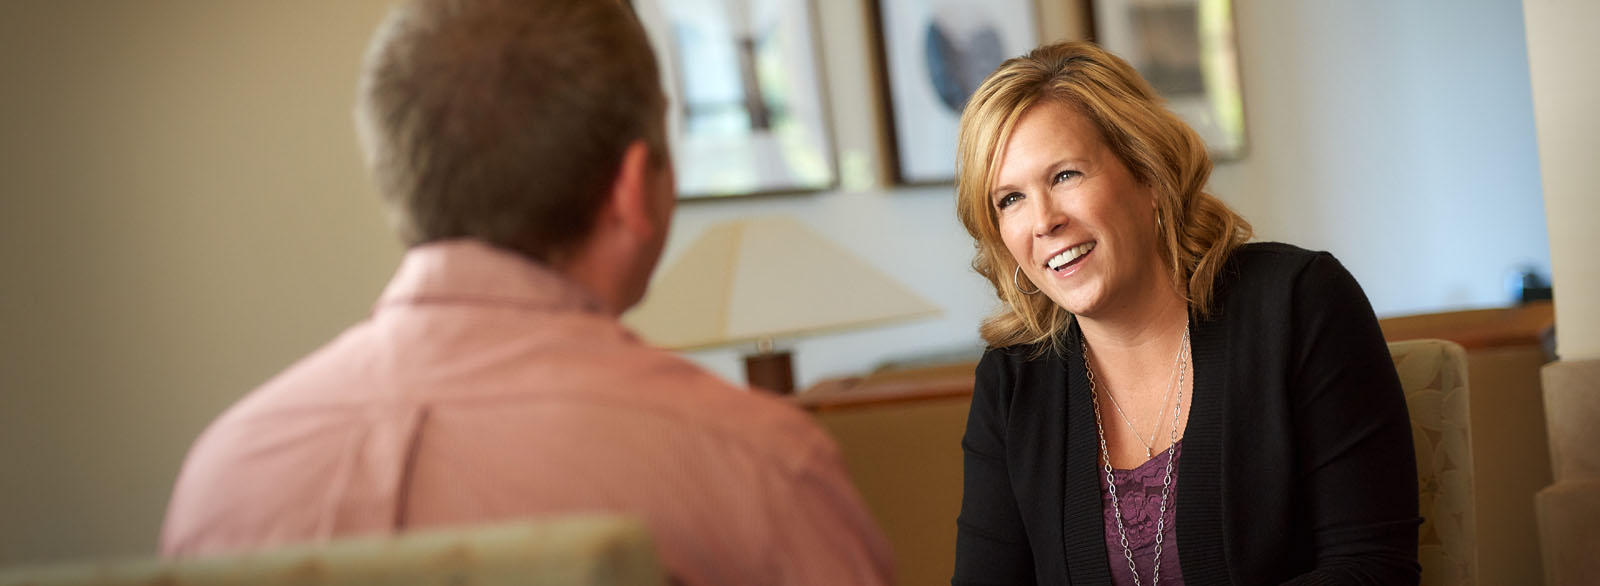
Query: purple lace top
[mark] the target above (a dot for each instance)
(1139, 494)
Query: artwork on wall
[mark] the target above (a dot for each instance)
(935, 53)
(745, 100)
(1188, 50)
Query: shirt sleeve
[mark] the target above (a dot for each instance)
(991, 544)
(1352, 434)
(828, 535)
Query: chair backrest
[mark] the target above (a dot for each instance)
(1434, 376)
(588, 550)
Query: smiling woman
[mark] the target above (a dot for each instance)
(1063, 210)
(1149, 339)
(1114, 128)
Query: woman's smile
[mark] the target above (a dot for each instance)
(1066, 262)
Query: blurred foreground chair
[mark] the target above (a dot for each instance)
(588, 551)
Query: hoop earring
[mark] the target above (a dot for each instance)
(1160, 226)
(1018, 285)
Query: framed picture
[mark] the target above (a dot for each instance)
(1188, 50)
(745, 111)
(934, 55)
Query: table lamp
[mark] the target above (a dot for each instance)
(754, 280)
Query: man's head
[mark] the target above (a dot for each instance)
(533, 125)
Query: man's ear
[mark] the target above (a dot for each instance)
(631, 205)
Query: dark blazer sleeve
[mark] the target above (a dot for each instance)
(991, 544)
(1352, 436)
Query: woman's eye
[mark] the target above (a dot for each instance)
(1065, 175)
(1008, 199)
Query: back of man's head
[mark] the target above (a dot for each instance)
(506, 121)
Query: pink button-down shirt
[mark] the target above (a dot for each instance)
(485, 387)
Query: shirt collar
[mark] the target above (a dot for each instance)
(474, 272)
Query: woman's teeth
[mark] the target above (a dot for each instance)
(1069, 255)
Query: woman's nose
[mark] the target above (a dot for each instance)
(1048, 218)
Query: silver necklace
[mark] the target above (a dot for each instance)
(1149, 446)
(1111, 480)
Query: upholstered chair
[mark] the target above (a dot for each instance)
(1434, 375)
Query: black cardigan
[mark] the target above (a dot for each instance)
(1297, 462)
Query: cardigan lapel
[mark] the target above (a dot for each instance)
(1200, 533)
(1084, 548)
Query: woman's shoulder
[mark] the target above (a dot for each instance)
(1273, 255)
(1276, 263)
(1261, 275)
(1023, 362)
(1020, 355)
(1008, 375)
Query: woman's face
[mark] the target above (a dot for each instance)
(1077, 222)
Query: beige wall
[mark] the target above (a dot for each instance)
(182, 213)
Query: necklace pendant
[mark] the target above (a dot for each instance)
(1148, 454)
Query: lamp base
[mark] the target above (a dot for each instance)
(770, 371)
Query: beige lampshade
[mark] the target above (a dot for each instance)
(765, 278)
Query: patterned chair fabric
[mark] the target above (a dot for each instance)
(589, 550)
(1434, 375)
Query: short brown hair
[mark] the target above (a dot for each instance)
(1198, 233)
(505, 120)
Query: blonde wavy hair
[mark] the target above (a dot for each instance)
(1198, 231)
